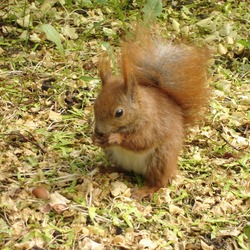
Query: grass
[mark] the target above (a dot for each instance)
(46, 116)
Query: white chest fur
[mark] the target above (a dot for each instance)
(130, 160)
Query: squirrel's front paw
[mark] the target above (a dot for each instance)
(115, 138)
(105, 141)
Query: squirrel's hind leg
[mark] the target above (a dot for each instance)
(161, 171)
(162, 168)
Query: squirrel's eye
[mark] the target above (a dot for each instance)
(119, 112)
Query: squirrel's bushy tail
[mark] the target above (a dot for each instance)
(179, 70)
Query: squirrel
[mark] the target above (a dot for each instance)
(142, 115)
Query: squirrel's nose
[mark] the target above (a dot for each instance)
(98, 132)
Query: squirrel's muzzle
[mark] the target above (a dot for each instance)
(98, 133)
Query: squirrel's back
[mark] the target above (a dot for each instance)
(179, 70)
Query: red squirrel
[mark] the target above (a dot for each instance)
(142, 114)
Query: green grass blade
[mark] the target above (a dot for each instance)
(152, 10)
(53, 36)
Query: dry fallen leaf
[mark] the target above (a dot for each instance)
(204, 246)
(54, 116)
(88, 244)
(119, 240)
(70, 32)
(222, 50)
(59, 208)
(117, 188)
(56, 198)
(25, 21)
(175, 210)
(147, 244)
(230, 232)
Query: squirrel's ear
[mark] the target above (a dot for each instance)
(128, 76)
(105, 70)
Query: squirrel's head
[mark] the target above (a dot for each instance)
(116, 107)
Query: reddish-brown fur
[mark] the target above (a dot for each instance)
(162, 89)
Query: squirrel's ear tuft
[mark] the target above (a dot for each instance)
(105, 70)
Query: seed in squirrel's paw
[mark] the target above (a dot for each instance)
(41, 193)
